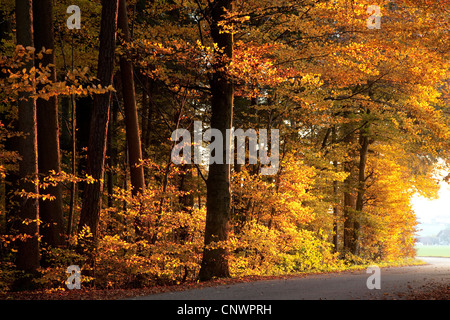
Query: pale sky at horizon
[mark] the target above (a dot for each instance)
(433, 215)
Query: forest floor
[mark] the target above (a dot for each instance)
(113, 294)
(428, 290)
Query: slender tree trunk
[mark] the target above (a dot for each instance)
(147, 114)
(363, 153)
(131, 117)
(28, 248)
(112, 153)
(218, 201)
(51, 212)
(73, 186)
(125, 176)
(336, 199)
(335, 217)
(130, 108)
(92, 196)
(349, 190)
(349, 208)
(10, 144)
(144, 115)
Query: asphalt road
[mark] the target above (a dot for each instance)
(333, 286)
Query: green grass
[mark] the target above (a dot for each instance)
(433, 251)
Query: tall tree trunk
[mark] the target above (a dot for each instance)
(335, 215)
(92, 196)
(10, 144)
(364, 142)
(51, 212)
(130, 108)
(336, 199)
(112, 153)
(218, 201)
(349, 189)
(131, 117)
(73, 185)
(28, 248)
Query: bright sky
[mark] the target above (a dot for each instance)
(433, 215)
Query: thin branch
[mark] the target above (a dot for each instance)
(370, 84)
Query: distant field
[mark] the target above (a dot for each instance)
(433, 251)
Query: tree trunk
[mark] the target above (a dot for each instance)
(92, 196)
(10, 144)
(112, 153)
(51, 212)
(335, 199)
(218, 201)
(131, 114)
(349, 188)
(335, 217)
(364, 142)
(186, 200)
(147, 114)
(28, 248)
(73, 185)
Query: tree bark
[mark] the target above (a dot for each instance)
(131, 114)
(10, 145)
(73, 185)
(363, 153)
(218, 201)
(336, 199)
(112, 153)
(349, 190)
(92, 196)
(28, 248)
(51, 212)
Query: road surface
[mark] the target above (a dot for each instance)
(332, 286)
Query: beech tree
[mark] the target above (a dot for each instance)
(92, 196)
(51, 211)
(362, 116)
(130, 107)
(28, 248)
(218, 203)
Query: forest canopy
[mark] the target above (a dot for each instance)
(351, 97)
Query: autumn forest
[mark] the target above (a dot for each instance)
(115, 146)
